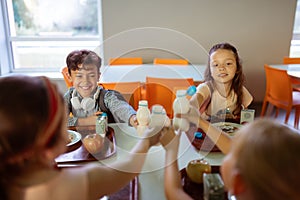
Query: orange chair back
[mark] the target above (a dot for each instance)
(278, 87)
(66, 75)
(126, 61)
(130, 90)
(280, 94)
(291, 60)
(162, 61)
(163, 91)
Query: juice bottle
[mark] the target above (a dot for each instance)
(157, 118)
(181, 105)
(142, 116)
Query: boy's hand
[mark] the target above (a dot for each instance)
(133, 121)
(153, 134)
(169, 139)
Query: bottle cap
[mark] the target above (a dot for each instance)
(180, 93)
(191, 90)
(157, 109)
(104, 114)
(143, 103)
(163, 111)
(198, 135)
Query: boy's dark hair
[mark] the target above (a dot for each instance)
(84, 57)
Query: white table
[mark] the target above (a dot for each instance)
(151, 184)
(292, 69)
(132, 73)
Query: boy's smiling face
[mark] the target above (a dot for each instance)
(85, 79)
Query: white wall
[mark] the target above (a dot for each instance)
(260, 29)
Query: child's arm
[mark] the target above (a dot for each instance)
(202, 95)
(220, 138)
(172, 179)
(196, 100)
(86, 121)
(107, 179)
(119, 107)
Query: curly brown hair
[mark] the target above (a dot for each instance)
(239, 78)
(85, 57)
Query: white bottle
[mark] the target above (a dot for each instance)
(142, 116)
(157, 118)
(181, 105)
(102, 124)
(143, 113)
(167, 119)
(181, 124)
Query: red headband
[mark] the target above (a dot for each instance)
(45, 135)
(55, 113)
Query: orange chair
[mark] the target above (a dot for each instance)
(293, 60)
(280, 94)
(130, 90)
(66, 75)
(163, 61)
(163, 91)
(126, 61)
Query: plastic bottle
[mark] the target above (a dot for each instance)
(157, 118)
(198, 140)
(102, 124)
(142, 116)
(143, 113)
(191, 90)
(105, 117)
(167, 119)
(181, 124)
(181, 105)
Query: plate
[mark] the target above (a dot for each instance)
(228, 127)
(77, 153)
(74, 137)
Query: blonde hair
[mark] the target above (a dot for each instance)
(268, 158)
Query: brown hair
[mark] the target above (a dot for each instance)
(239, 78)
(268, 159)
(31, 115)
(84, 57)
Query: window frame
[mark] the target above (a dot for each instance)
(7, 64)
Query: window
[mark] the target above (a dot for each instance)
(295, 43)
(40, 33)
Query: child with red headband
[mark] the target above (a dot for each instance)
(33, 133)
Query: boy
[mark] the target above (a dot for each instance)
(85, 100)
